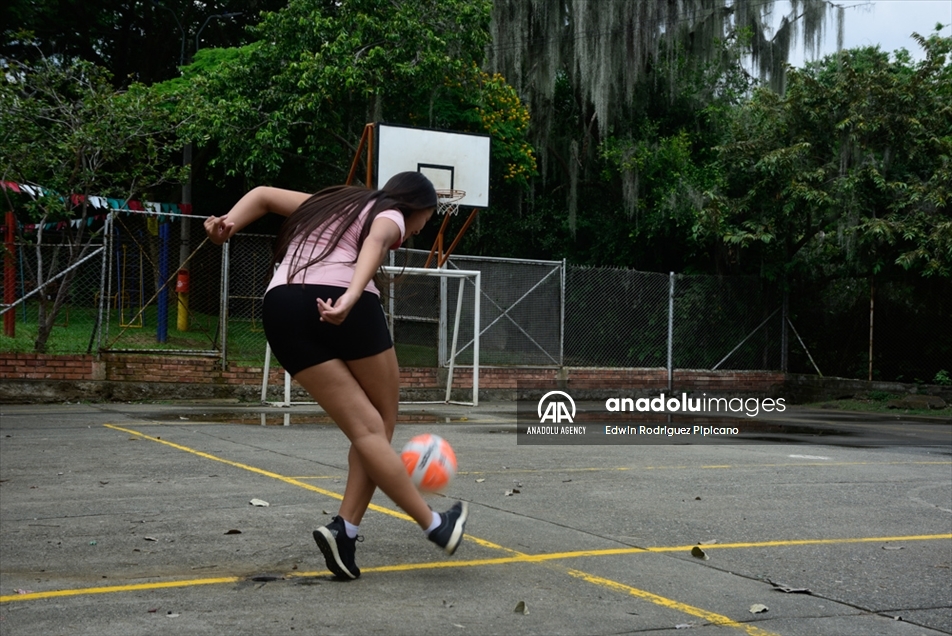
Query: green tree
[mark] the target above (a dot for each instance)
(135, 40)
(848, 173)
(68, 133)
(580, 66)
(290, 107)
(637, 193)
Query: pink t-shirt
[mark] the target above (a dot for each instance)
(338, 267)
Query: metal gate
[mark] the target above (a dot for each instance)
(521, 310)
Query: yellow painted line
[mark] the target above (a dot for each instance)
(575, 554)
(285, 479)
(710, 617)
(798, 542)
(516, 557)
(316, 477)
(33, 596)
(259, 471)
(519, 557)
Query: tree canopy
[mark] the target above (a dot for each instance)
(848, 173)
(67, 133)
(291, 105)
(141, 41)
(624, 134)
(601, 54)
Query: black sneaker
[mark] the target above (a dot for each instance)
(338, 549)
(449, 533)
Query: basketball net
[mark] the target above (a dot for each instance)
(447, 201)
(447, 204)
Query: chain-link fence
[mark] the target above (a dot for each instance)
(412, 305)
(152, 305)
(123, 294)
(249, 272)
(56, 290)
(910, 339)
(627, 318)
(725, 322)
(520, 310)
(615, 318)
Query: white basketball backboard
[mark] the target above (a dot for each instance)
(452, 161)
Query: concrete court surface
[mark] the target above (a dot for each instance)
(131, 519)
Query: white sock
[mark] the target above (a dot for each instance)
(350, 529)
(435, 523)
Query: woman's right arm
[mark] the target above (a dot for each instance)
(252, 207)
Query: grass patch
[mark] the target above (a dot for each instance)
(877, 406)
(75, 327)
(415, 355)
(70, 335)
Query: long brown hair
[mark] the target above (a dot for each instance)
(407, 192)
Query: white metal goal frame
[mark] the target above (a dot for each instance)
(475, 276)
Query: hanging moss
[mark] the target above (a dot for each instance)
(605, 47)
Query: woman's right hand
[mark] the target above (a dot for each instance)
(219, 229)
(335, 312)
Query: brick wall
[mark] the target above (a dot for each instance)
(197, 372)
(36, 366)
(594, 379)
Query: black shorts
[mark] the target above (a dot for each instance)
(299, 339)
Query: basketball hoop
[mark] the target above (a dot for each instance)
(448, 201)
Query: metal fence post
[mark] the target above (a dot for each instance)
(223, 310)
(441, 355)
(872, 296)
(104, 281)
(162, 302)
(477, 292)
(110, 247)
(784, 333)
(562, 317)
(390, 298)
(671, 332)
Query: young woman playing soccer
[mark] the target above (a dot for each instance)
(324, 322)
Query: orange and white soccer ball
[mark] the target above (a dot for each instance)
(430, 462)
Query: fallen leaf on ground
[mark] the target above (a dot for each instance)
(521, 608)
(758, 608)
(780, 587)
(259, 502)
(698, 553)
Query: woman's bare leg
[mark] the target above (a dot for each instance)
(337, 389)
(379, 377)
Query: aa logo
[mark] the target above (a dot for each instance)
(556, 407)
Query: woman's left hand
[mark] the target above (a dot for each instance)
(218, 229)
(333, 311)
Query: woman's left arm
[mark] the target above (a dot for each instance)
(251, 207)
(383, 233)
